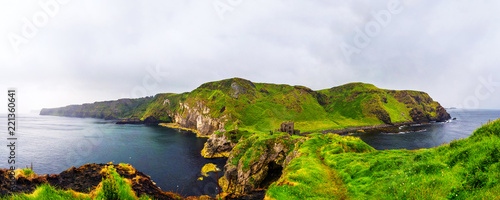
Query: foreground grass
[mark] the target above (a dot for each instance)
(332, 168)
(308, 176)
(113, 186)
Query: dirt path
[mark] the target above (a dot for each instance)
(333, 178)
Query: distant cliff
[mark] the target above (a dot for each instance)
(238, 103)
(119, 109)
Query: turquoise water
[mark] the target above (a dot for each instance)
(171, 157)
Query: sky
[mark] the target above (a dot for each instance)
(61, 52)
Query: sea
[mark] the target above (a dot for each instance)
(172, 157)
(53, 144)
(421, 136)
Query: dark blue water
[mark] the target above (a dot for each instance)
(171, 157)
(433, 134)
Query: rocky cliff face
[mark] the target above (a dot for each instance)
(423, 107)
(198, 117)
(218, 145)
(256, 163)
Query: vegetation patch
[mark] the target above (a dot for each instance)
(26, 173)
(307, 176)
(209, 167)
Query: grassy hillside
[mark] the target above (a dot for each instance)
(236, 102)
(333, 167)
(263, 107)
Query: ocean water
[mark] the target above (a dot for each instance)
(171, 157)
(432, 134)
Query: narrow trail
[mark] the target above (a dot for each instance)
(334, 179)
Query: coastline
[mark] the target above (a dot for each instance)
(178, 126)
(346, 131)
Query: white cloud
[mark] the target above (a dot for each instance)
(94, 50)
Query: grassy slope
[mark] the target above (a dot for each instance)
(331, 167)
(263, 107)
(308, 177)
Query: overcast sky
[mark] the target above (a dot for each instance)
(58, 53)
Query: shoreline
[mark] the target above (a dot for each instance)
(346, 131)
(178, 126)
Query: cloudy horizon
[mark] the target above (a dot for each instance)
(57, 53)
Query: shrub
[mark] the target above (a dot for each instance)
(109, 187)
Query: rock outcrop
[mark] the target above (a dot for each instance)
(268, 158)
(84, 179)
(423, 107)
(198, 117)
(218, 145)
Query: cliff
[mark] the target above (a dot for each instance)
(122, 108)
(257, 161)
(227, 104)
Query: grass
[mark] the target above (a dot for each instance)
(332, 167)
(46, 191)
(26, 172)
(113, 186)
(308, 176)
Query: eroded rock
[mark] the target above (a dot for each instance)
(246, 173)
(218, 145)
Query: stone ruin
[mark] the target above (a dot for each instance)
(288, 127)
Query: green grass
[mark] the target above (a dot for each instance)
(329, 169)
(46, 191)
(114, 186)
(27, 172)
(308, 177)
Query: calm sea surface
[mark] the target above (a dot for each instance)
(431, 135)
(53, 144)
(172, 157)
